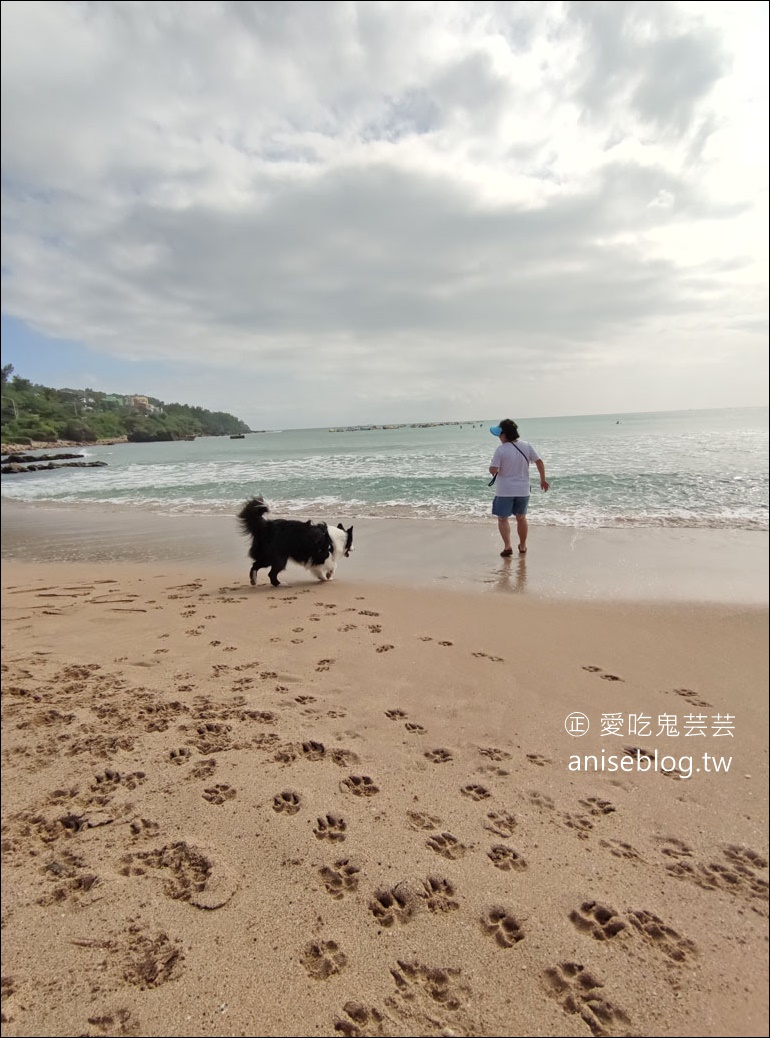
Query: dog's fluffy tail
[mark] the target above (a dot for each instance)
(251, 515)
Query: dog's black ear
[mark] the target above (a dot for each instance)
(340, 526)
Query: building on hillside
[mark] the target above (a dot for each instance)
(141, 403)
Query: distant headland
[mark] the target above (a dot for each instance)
(402, 425)
(34, 413)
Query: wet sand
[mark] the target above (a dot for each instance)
(688, 565)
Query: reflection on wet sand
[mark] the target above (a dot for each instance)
(513, 575)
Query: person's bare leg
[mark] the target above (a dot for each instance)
(504, 526)
(523, 529)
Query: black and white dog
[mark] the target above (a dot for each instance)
(274, 542)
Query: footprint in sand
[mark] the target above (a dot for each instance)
(599, 921)
(504, 927)
(75, 887)
(331, 827)
(475, 792)
(109, 780)
(203, 769)
(541, 800)
(340, 878)
(415, 729)
(737, 879)
(598, 670)
(506, 858)
(693, 698)
(145, 961)
(143, 829)
(193, 875)
(438, 756)
(360, 1020)
(662, 937)
(288, 802)
(219, 794)
(323, 959)
(418, 820)
(447, 845)
(537, 758)
(438, 894)
(745, 856)
(579, 823)
(261, 716)
(501, 823)
(312, 750)
(359, 785)
(621, 850)
(578, 991)
(597, 806)
(494, 753)
(395, 715)
(392, 906)
(343, 758)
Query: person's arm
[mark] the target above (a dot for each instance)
(493, 469)
(544, 484)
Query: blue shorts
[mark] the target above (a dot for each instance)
(505, 507)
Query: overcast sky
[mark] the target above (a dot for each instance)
(324, 213)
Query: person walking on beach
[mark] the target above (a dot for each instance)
(510, 468)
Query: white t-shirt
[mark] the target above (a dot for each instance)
(513, 463)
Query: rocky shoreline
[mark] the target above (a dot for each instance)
(16, 461)
(7, 449)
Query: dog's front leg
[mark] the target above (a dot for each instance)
(279, 567)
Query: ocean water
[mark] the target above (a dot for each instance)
(672, 469)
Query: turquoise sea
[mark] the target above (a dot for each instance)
(673, 469)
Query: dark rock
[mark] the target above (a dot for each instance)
(10, 470)
(20, 459)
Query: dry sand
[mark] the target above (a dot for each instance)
(347, 809)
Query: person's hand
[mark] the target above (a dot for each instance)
(544, 484)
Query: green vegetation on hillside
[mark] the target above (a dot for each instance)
(33, 412)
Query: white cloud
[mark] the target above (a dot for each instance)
(366, 209)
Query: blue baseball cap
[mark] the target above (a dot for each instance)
(495, 430)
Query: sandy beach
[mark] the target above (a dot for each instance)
(372, 807)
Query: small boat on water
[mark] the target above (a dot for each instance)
(237, 436)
